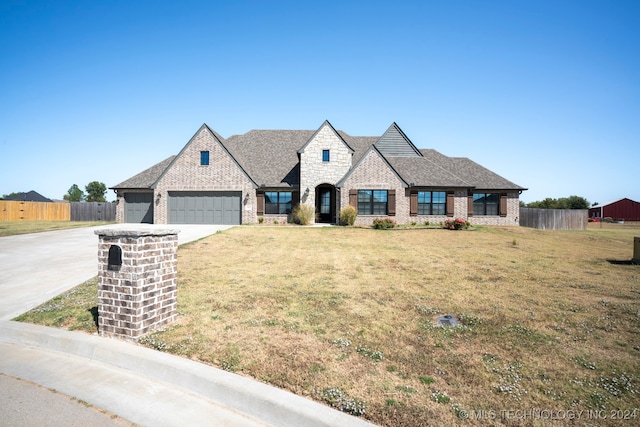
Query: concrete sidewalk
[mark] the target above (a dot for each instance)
(137, 384)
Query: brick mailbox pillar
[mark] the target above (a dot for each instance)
(137, 281)
(636, 250)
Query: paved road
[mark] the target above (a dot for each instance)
(139, 385)
(22, 402)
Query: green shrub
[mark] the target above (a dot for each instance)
(303, 214)
(348, 215)
(260, 220)
(383, 223)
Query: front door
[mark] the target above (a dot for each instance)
(325, 203)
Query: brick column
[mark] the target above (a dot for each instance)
(137, 281)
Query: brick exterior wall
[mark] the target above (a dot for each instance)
(313, 171)
(120, 207)
(373, 173)
(186, 174)
(459, 209)
(511, 219)
(140, 295)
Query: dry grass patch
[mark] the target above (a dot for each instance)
(11, 228)
(347, 316)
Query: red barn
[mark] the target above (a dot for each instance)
(623, 209)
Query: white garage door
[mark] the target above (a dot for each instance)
(205, 207)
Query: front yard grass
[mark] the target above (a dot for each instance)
(346, 316)
(12, 228)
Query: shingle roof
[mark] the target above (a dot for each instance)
(359, 144)
(270, 157)
(476, 175)
(147, 177)
(423, 172)
(31, 196)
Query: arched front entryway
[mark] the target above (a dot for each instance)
(326, 203)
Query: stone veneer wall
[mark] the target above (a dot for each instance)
(139, 295)
(313, 171)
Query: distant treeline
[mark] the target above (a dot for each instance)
(571, 202)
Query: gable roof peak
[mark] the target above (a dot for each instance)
(394, 143)
(217, 138)
(335, 132)
(211, 131)
(372, 149)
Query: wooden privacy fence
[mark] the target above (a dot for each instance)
(554, 219)
(11, 210)
(93, 211)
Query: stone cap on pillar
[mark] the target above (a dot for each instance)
(135, 232)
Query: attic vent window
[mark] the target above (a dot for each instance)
(204, 158)
(325, 155)
(447, 320)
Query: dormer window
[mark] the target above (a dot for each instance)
(325, 156)
(204, 158)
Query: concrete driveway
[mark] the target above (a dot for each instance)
(37, 267)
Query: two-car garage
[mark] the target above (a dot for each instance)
(188, 207)
(205, 207)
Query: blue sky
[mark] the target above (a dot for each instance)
(544, 93)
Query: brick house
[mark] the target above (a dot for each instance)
(266, 173)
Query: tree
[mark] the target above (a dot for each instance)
(96, 191)
(74, 194)
(8, 195)
(576, 202)
(571, 202)
(547, 203)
